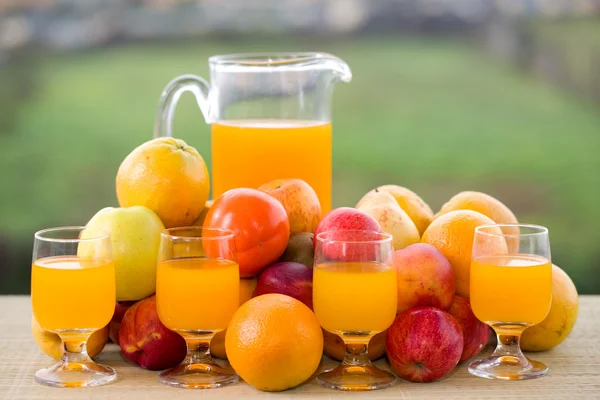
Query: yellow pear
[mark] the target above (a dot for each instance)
(418, 211)
(135, 236)
(394, 220)
(51, 344)
(559, 322)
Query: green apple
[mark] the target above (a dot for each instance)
(135, 236)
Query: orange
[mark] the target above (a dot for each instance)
(274, 342)
(559, 322)
(418, 211)
(452, 234)
(167, 176)
(486, 205)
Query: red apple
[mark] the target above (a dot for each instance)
(290, 278)
(146, 342)
(115, 323)
(425, 277)
(348, 225)
(299, 200)
(424, 344)
(475, 333)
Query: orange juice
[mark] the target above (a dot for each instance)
(355, 296)
(70, 292)
(511, 288)
(197, 293)
(251, 153)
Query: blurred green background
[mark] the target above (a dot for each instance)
(508, 104)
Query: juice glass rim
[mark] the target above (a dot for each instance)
(538, 230)
(224, 233)
(102, 234)
(384, 236)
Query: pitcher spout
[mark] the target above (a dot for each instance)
(340, 69)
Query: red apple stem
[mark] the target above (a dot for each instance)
(357, 354)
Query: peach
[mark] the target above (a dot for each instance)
(425, 277)
(121, 308)
(146, 342)
(247, 286)
(299, 200)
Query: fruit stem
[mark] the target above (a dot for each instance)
(357, 354)
(198, 348)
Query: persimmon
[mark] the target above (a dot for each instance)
(259, 222)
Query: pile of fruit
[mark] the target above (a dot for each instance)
(274, 340)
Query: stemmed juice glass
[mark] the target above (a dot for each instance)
(197, 292)
(511, 289)
(73, 294)
(355, 297)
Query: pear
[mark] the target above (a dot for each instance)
(418, 211)
(394, 220)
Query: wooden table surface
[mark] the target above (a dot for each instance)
(574, 371)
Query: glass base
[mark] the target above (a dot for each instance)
(198, 376)
(76, 375)
(356, 378)
(507, 368)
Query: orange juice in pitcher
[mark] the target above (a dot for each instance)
(251, 153)
(270, 116)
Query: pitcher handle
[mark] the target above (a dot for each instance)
(170, 96)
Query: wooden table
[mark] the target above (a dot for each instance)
(574, 371)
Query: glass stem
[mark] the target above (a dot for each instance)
(75, 349)
(509, 344)
(357, 354)
(198, 349)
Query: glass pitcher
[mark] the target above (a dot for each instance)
(270, 117)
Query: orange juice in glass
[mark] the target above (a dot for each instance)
(249, 153)
(73, 294)
(338, 307)
(270, 116)
(197, 292)
(355, 297)
(52, 288)
(510, 290)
